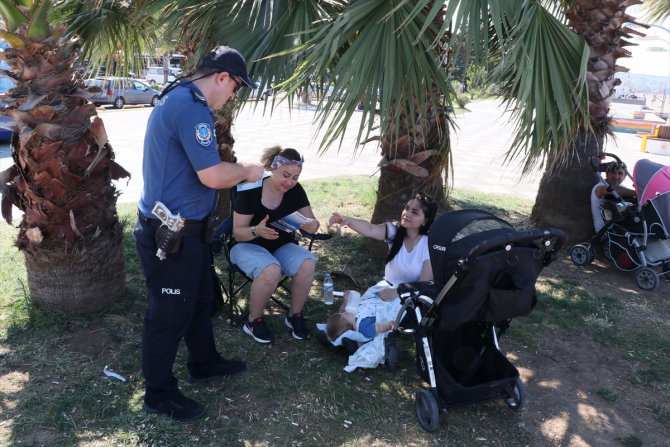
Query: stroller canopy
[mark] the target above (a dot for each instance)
(650, 179)
(452, 236)
(652, 185)
(487, 268)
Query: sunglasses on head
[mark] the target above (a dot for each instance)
(424, 197)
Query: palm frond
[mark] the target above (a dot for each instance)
(348, 52)
(38, 24)
(195, 23)
(111, 31)
(12, 16)
(474, 20)
(544, 56)
(256, 28)
(656, 10)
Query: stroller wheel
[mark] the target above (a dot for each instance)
(517, 399)
(646, 278)
(582, 254)
(427, 411)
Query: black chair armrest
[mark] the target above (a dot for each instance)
(315, 237)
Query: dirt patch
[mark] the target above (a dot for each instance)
(580, 391)
(89, 340)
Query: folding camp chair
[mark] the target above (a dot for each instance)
(229, 290)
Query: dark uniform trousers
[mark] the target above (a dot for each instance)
(180, 297)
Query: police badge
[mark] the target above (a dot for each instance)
(203, 134)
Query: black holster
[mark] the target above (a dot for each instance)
(210, 226)
(170, 241)
(167, 240)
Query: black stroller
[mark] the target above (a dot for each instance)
(485, 273)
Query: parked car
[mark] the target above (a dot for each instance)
(121, 91)
(264, 86)
(154, 75)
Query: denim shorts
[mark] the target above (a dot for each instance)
(252, 259)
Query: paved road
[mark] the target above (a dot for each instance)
(253, 131)
(479, 145)
(483, 137)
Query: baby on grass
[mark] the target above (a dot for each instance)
(362, 329)
(359, 316)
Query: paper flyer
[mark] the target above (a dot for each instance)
(291, 223)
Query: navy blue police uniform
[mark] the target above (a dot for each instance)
(179, 141)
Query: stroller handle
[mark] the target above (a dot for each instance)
(595, 160)
(520, 237)
(598, 166)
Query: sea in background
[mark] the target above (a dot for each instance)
(634, 83)
(648, 92)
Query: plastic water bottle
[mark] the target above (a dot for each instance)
(328, 298)
(353, 301)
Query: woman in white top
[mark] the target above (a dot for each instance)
(408, 258)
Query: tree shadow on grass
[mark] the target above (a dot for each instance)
(54, 392)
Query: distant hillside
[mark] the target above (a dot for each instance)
(641, 83)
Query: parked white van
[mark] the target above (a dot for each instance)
(154, 75)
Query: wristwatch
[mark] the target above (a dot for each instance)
(253, 231)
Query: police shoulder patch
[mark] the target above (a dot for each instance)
(203, 134)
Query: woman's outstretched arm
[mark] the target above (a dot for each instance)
(360, 226)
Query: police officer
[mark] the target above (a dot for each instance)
(182, 169)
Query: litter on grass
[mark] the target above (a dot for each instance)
(109, 373)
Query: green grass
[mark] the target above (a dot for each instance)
(662, 412)
(630, 441)
(356, 195)
(54, 393)
(493, 203)
(607, 394)
(564, 306)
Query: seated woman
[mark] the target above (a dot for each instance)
(408, 260)
(614, 177)
(264, 252)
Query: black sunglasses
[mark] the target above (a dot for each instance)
(422, 196)
(239, 83)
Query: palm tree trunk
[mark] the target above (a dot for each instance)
(80, 282)
(394, 190)
(223, 124)
(414, 156)
(70, 233)
(166, 67)
(564, 196)
(412, 163)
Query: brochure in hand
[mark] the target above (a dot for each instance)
(291, 222)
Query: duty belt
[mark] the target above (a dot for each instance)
(191, 227)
